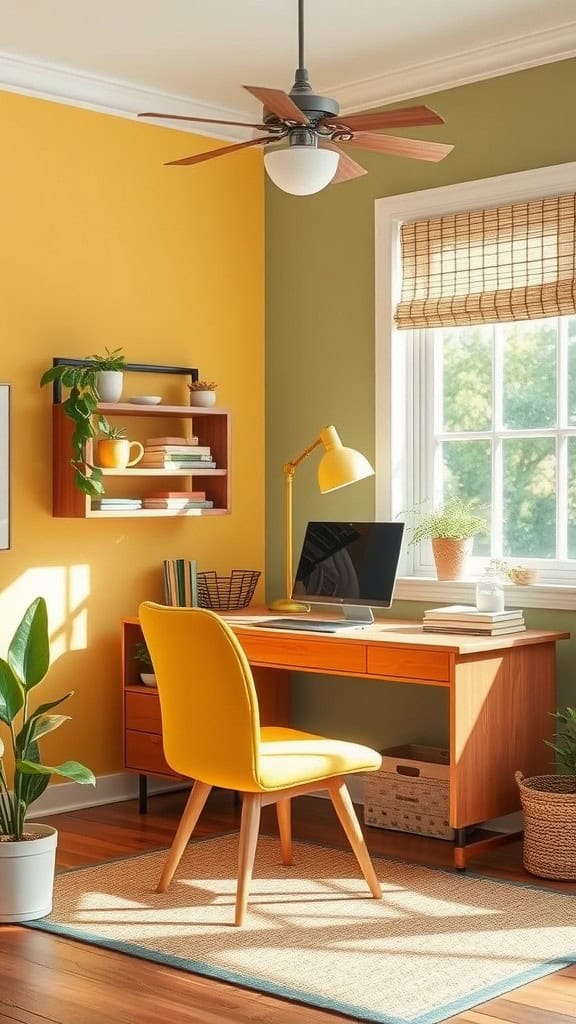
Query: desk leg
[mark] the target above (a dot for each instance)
(273, 687)
(143, 794)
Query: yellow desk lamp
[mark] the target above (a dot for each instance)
(338, 467)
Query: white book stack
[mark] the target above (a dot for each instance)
(464, 618)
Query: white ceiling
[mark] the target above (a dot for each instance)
(362, 51)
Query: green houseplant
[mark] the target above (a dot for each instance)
(549, 807)
(141, 654)
(451, 528)
(84, 383)
(26, 881)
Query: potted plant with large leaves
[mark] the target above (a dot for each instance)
(86, 383)
(27, 849)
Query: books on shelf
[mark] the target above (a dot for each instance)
(176, 503)
(190, 451)
(170, 464)
(460, 618)
(188, 441)
(188, 495)
(115, 504)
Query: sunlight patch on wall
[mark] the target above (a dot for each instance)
(66, 590)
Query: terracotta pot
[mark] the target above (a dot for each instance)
(451, 557)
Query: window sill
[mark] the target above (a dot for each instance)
(539, 595)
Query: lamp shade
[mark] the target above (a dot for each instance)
(301, 170)
(339, 465)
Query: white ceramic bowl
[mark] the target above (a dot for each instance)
(145, 399)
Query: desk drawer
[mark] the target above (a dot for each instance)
(144, 753)
(303, 652)
(142, 712)
(397, 663)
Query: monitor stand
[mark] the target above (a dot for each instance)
(359, 613)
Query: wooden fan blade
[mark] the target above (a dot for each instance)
(347, 167)
(278, 102)
(407, 117)
(204, 120)
(199, 157)
(415, 148)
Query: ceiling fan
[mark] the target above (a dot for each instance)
(314, 130)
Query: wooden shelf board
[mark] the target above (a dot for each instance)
(121, 408)
(163, 472)
(155, 513)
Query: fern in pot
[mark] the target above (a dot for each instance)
(451, 528)
(27, 849)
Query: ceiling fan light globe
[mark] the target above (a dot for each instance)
(301, 170)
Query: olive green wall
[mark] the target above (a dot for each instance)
(320, 351)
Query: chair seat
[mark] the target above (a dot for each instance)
(289, 757)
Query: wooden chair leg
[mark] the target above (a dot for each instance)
(190, 815)
(345, 810)
(284, 815)
(247, 850)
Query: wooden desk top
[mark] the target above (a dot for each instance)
(393, 632)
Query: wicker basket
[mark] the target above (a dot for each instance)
(549, 806)
(227, 593)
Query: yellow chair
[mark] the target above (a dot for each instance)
(211, 729)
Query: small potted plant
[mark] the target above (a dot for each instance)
(142, 656)
(114, 447)
(202, 392)
(109, 374)
(518, 574)
(81, 407)
(27, 849)
(549, 808)
(451, 528)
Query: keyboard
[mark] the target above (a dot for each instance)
(311, 625)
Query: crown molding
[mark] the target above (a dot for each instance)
(458, 69)
(108, 96)
(111, 96)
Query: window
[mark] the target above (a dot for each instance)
(498, 424)
(481, 409)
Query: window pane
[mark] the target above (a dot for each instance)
(572, 370)
(530, 374)
(572, 497)
(467, 378)
(530, 498)
(466, 472)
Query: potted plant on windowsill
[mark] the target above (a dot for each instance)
(27, 849)
(549, 808)
(80, 406)
(451, 528)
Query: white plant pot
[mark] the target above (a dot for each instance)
(27, 875)
(148, 678)
(204, 398)
(109, 385)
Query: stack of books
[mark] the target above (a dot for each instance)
(178, 500)
(176, 453)
(464, 618)
(116, 504)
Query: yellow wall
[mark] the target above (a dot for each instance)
(103, 245)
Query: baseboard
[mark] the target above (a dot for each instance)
(109, 789)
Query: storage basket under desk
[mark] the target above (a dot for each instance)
(410, 792)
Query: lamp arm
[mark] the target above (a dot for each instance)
(289, 470)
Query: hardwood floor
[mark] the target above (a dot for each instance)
(45, 978)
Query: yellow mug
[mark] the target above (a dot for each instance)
(114, 453)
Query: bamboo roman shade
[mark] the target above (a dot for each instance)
(515, 262)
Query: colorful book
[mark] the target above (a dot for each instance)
(192, 465)
(181, 582)
(191, 450)
(471, 630)
(177, 456)
(175, 503)
(171, 440)
(188, 495)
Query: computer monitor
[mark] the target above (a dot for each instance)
(352, 565)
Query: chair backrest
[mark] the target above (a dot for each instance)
(210, 716)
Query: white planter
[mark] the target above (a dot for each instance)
(27, 875)
(109, 385)
(148, 678)
(204, 398)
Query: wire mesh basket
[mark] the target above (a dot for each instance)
(227, 593)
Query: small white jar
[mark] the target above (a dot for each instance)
(489, 593)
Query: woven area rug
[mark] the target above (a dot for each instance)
(437, 943)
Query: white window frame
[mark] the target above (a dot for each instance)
(397, 407)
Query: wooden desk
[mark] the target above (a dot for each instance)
(502, 691)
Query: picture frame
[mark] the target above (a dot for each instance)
(5, 489)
